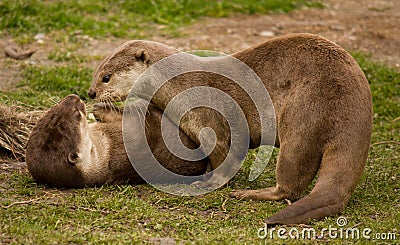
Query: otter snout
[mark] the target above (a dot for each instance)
(73, 101)
(73, 97)
(92, 93)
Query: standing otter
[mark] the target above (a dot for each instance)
(322, 104)
(63, 150)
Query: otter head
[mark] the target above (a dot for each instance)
(116, 74)
(52, 151)
(114, 77)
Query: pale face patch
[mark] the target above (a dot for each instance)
(121, 83)
(93, 155)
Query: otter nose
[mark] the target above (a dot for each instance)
(92, 93)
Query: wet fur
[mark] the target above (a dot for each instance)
(323, 111)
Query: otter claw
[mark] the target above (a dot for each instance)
(239, 194)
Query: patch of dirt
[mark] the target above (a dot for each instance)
(372, 26)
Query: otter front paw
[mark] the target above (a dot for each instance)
(106, 112)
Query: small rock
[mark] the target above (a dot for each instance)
(351, 37)
(161, 27)
(229, 31)
(77, 32)
(30, 62)
(267, 34)
(39, 36)
(337, 27)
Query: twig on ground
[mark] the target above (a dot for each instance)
(386, 142)
(13, 53)
(21, 202)
(223, 205)
(358, 224)
(95, 210)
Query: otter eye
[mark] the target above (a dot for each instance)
(106, 78)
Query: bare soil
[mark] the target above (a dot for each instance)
(370, 26)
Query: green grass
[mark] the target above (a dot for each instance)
(132, 18)
(42, 85)
(70, 55)
(133, 214)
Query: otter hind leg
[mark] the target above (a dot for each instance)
(293, 175)
(338, 176)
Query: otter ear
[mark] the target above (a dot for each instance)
(142, 55)
(73, 158)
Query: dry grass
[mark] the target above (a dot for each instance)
(16, 123)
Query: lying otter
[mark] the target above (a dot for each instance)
(63, 150)
(322, 105)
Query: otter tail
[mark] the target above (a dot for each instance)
(339, 173)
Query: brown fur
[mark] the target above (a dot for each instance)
(51, 141)
(124, 60)
(323, 112)
(57, 135)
